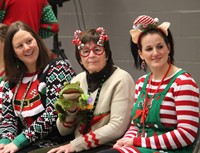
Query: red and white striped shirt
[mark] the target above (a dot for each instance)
(179, 109)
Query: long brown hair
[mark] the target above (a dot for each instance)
(14, 67)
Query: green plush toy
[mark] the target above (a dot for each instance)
(71, 95)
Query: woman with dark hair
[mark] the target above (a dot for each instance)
(111, 90)
(165, 116)
(32, 85)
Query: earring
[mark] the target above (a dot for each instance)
(143, 65)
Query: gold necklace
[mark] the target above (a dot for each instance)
(23, 98)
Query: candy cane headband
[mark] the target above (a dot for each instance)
(103, 37)
(145, 22)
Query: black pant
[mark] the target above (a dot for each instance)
(94, 150)
(109, 151)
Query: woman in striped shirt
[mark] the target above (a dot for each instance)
(165, 115)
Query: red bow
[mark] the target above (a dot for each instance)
(140, 112)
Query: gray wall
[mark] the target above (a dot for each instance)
(117, 16)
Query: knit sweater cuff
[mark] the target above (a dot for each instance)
(21, 141)
(5, 141)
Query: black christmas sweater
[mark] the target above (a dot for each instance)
(35, 119)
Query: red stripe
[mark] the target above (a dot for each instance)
(176, 140)
(157, 142)
(89, 144)
(165, 138)
(96, 142)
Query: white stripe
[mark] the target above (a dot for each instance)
(187, 98)
(168, 121)
(171, 141)
(187, 86)
(185, 125)
(188, 135)
(152, 142)
(162, 142)
(144, 142)
(180, 139)
(31, 112)
(188, 108)
(168, 103)
(123, 149)
(131, 149)
(165, 111)
(188, 117)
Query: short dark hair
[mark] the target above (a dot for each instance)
(168, 40)
(13, 73)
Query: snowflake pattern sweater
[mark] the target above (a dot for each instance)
(38, 110)
(179, 111)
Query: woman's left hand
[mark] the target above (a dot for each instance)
(9, 148)
(68, 148)
(124, 142)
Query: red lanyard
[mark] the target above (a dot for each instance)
(147, 101)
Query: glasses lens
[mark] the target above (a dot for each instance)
(98, 50)
(85, 51)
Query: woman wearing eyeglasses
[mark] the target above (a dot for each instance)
(111, 90)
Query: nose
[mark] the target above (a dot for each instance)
(155, 51)
(91, 53)
(26, 47)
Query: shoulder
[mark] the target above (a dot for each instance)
(121, 72)
(120, 75)
(79, 77)
(57, 64)
(185, 79)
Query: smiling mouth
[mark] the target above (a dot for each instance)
(28, 53)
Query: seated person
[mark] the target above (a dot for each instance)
(165, 116)
(111, 92)
(32, 85)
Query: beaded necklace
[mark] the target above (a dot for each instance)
(23, 98)
(90, 113)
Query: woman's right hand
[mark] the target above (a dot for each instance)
(63, 149)
(123, 142)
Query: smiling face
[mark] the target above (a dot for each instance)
(26, 49)
(154, 51)
(93, 62)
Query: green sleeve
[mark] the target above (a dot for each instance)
(21, 141)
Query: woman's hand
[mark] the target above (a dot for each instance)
(123, 142)
(63, 149)
(9, 148)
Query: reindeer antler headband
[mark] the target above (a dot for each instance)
(103, 37)
(145, 22)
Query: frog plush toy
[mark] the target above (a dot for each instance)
(71, 95)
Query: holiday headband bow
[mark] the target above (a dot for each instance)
(145, 22)
(103, 37)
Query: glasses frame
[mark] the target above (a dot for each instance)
(92, 49)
